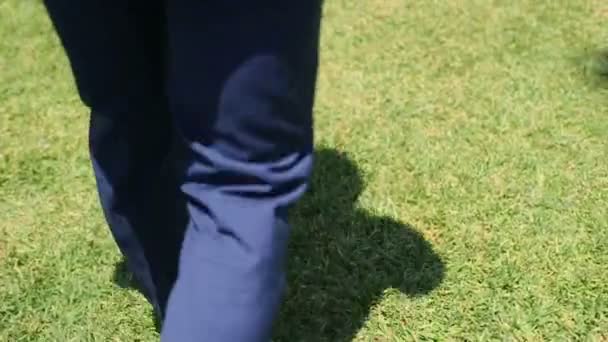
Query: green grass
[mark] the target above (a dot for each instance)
(461, 191)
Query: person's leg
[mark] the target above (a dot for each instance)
(116, 49)
(241, 86)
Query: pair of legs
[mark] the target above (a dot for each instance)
(201, 139)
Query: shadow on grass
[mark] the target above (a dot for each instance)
(342, 258)
(124, 279)
(595, 65)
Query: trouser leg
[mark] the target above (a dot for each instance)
(116, 52)
(241, 87)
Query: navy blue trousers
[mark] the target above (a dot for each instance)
(201, 140)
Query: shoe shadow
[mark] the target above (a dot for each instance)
(343, 258)
(594, 66)
(124, 279)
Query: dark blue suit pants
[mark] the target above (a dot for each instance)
(201, 139)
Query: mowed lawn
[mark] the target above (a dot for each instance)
(461, 189)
